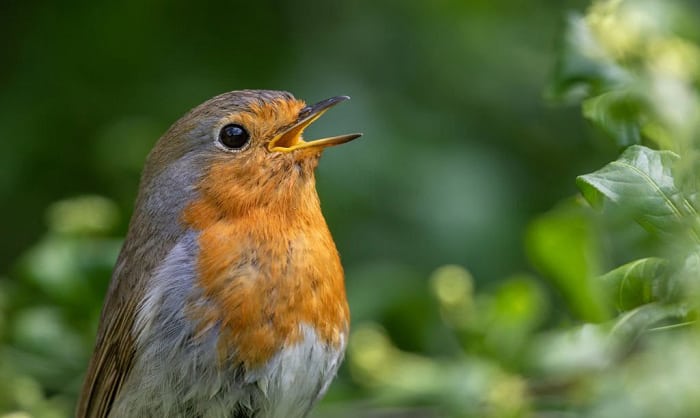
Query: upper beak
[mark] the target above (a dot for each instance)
(290, 139)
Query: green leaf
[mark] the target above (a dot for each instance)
(561, 245)
(644, 318)
(618, 113)
(641, 184)
(635, 283)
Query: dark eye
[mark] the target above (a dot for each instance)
(234, 136)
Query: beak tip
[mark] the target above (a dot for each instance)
(334, 100)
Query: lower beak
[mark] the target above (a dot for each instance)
(291, 138)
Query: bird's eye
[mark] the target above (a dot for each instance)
(234, 136)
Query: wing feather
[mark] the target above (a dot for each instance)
(115, 347)
(114, 350)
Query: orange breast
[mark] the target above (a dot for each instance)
(263, 275)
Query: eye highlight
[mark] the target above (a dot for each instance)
(234, 136)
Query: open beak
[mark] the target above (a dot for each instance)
(290, 139)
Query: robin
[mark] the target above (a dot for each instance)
(227, 299)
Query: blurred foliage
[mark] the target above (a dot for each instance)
(481, 283)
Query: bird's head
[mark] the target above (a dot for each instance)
(241, 150)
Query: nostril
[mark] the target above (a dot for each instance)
(305, 112)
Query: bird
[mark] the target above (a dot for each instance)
(227, 299)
